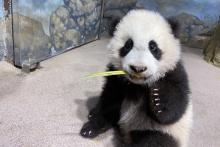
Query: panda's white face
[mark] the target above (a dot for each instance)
(139, 62)
(143, 46)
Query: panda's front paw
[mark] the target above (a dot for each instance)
(155, 103)
(89, 130)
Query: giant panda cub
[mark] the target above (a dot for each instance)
(149, 106)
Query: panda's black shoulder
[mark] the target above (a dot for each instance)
(176, 84)
(174, 92)
(178, 76)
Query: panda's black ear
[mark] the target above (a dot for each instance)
(112, 27)
(175, 26)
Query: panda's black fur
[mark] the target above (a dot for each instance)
(173, 90)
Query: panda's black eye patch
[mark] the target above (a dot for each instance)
(126, 48)
(155, 49)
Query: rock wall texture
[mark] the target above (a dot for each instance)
(30, 41)
(191, 30)
(2, 30)
(194, 24)
(6, 44)
(71, 24)
(115, 8)
(212, 50)
(75, 23)
(2, 39)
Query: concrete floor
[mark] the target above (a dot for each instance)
(48, 107)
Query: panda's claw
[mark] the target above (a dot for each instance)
(92, 113)
(90, 132)
(90, 116)
(155, 94)
(160, 111)
(155, 89)
(157, 104)
(156, 101)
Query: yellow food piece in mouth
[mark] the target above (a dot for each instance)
(105, 74)
(137, 76)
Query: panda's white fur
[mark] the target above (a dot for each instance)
(133, 119)
(134, 25)
(139, 22)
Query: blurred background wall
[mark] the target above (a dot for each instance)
(44, 28)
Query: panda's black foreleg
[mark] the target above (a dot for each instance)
(95, 126)
(100, 120)
(149, 139)
(106, 114)
(168, 101)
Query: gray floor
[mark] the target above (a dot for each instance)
(48, 106)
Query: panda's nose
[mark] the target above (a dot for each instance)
(138, 69)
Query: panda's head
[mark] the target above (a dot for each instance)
(145, 46)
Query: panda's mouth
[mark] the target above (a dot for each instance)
(138, 77)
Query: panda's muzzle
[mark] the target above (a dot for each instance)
(138, 69)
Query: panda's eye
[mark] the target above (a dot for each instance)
(129, 44)
(153, 46)
(155, 49)
(126, 48)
